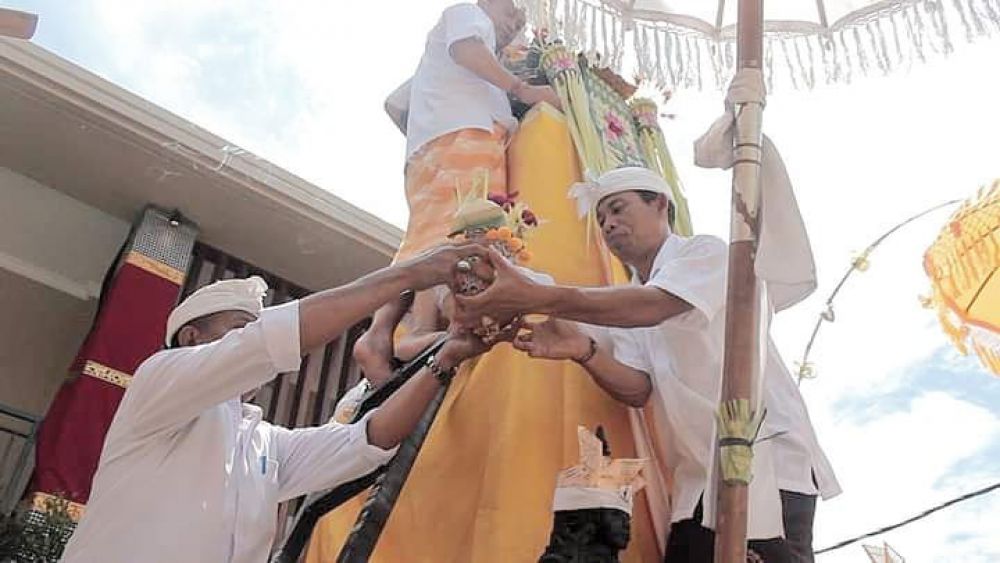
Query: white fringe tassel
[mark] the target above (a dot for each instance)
(890, 37)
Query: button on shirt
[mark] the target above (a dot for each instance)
(188, 473)
(683, 356)
(445, 96)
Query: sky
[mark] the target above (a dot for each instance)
(906, 420)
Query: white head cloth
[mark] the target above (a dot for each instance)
(227, 295)
(589, 193)
(579, 498)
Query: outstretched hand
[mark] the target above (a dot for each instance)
(553, 339)
(437, 265)
(463, 344)
(510, 294)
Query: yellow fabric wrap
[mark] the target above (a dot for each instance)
(481, 490)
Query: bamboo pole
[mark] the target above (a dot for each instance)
(742, 312)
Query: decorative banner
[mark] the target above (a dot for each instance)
(128, 328)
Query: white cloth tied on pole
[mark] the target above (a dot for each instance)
(784, 256)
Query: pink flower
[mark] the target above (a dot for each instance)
(615, 127)
(564, 63)
(529, 218)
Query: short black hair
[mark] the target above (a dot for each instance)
(198, 323)
(650, 197)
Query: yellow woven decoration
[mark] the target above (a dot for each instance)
(564, 74)
(657, 156)
(738, 427)
(961, 264)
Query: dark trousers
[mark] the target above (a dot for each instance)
(690, 542)
(798, 511)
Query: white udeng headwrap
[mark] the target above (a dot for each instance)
(227, 295)
(581, 498)
(589, 193)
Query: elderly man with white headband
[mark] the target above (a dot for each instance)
(190, 474)
(668, 359)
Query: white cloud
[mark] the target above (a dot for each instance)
(896, 464)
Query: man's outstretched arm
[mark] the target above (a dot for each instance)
(556, 339)
(325, 315)
(472, 54)
(512, 293)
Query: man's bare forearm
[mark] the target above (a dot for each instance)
(326, 315)
(624, 384)
(624, 306)
(401, 412)
(472, 54)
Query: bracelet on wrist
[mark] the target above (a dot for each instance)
(582, 360)
(442, 375)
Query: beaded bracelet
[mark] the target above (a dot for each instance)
(442, 375)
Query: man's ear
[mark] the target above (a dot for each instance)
(662, 202)
(187, 335)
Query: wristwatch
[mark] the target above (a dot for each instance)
(442, 375)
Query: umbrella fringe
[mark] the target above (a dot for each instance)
(877, 40)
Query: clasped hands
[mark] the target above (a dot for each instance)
(491, 298)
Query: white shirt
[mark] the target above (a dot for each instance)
(683, 356)
(445, 96)
(190, 474)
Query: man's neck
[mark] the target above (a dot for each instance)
(643, 264)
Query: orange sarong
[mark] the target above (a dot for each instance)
(435, 171)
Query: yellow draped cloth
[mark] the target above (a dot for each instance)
(481, 489)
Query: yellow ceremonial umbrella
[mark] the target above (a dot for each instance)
(963, 265)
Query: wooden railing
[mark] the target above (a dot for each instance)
(17, 446)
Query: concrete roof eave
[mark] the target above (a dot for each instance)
(80, 134)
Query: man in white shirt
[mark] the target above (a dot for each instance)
(190, 474)
(670, 361)
(457, 121)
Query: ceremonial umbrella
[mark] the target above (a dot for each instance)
(692, 43)
(962, 265)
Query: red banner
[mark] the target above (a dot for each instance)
(129, 328)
